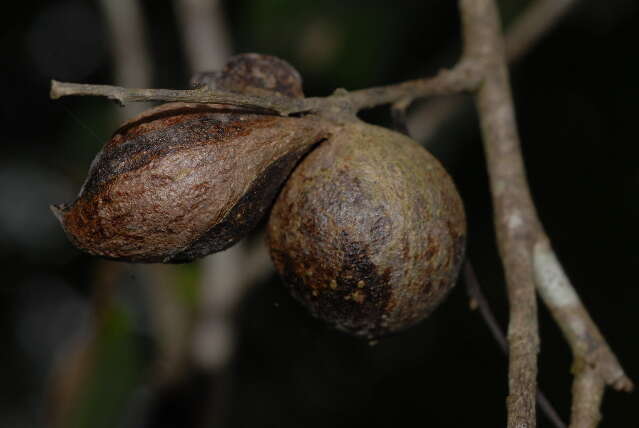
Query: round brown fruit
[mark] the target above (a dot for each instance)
(368, 232)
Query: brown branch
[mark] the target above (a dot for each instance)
(459, 79)
(587, 392)
(587, 343)
(525, 249)
(462, 78)
(123, 96)
(478, 300)
(515, 218)
(535, 22)
(595, 365)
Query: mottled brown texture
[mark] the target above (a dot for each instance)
(255, 74)
(184, 180)
(368, 231)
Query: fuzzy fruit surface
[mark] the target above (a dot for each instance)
(368, 232)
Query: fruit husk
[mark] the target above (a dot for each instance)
(368, 232)
(184, 180)
(254, 74)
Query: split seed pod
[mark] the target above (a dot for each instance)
(368, 232)
(185, 180)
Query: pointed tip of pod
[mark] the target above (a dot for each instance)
(151, 198)
(58, 211)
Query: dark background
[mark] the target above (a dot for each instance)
(576, 96)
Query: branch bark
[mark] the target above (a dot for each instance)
(535, 22)
(123, 96)
(478, 300)
(587, 391)
(462, 78)
(595, 365)
(524, 246)
(515, 219)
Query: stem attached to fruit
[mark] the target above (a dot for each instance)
(459, 79)
(272, 103)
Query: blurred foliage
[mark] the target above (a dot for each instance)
(575, 94)
(115, 373)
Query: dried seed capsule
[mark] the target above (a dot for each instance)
(185, 180)
(368, 231)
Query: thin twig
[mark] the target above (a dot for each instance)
(527, 30)
(585, 339)
(123, 96)
(459, 79)
(535, 22)
(595, 365)
(538, 19)
(479, 301)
